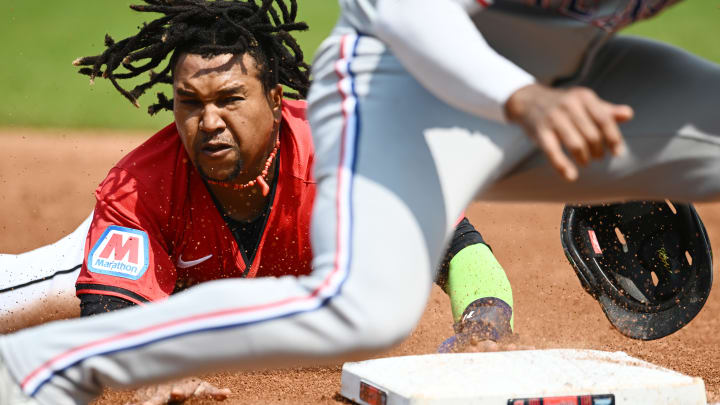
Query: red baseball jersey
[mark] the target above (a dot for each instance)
(156, 229)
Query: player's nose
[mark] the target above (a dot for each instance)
(211, 121)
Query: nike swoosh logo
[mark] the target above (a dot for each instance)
(184, 265)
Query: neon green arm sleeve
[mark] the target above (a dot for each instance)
(474, 273)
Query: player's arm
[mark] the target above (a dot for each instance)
(93, 304)
(126, 260)
(479, 290)
(438, 44)
(108, 281)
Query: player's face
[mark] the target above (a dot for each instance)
(226, 119)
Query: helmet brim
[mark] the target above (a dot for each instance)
(654, 325)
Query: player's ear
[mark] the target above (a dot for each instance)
(275, 100)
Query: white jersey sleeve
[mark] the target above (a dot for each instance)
(438, 44)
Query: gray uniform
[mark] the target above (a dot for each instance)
(393, 146)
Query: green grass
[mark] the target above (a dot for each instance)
(41, 38)
(692, 24)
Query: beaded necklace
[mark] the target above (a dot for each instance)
(260, 180)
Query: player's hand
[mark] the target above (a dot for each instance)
(178, 391)
(483, 327)
(575, 119)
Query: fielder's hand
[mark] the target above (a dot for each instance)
(576, 119)
(178, 391)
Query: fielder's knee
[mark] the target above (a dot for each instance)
(384, 318)
(703, 183)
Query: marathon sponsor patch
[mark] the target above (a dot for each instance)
(608, 399)
(120, 252)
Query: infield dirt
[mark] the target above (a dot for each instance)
(47, 180)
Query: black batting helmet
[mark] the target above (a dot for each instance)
(649, 264)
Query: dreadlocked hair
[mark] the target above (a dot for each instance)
(209, 28)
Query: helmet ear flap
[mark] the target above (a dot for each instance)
(642, 276)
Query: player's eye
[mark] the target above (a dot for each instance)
(190, 102)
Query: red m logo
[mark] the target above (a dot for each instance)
(131, 247)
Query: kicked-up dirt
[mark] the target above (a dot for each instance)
(47, 180)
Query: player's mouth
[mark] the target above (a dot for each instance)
(216, 150)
